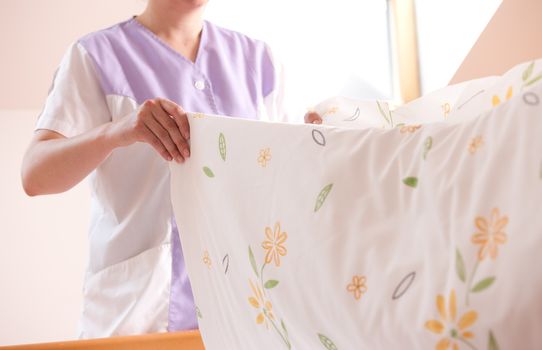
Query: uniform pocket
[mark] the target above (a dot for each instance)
(130, 297)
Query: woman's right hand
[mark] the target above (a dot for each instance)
(54, 163)
(161, 123)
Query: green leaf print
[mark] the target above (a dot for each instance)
(483, 284)
(322, 197)
(411, 181)
(492, 342)
(208, 172)
(382, 112)
(252, 261)
(427, 146)
(460, 265)
(328, 344)
(222, 146)
(534, 80)
(198, 312)
(284, 328)
(271, 284)
(527, 73)
(388, 118)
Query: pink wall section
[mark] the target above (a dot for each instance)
(34, 35)
(43, 245)
(512, 36)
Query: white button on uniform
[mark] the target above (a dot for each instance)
(199, 84)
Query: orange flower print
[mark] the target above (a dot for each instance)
(490, 234)
(357, 286)
(409, 128)
(258, 301)
(453, 332)
(265, 156)
(475, 143)
(207, 259)
(274, 244)
(496, 100)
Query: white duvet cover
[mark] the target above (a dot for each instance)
(419, 228)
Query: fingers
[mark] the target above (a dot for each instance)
(171, 127)
(313, 118)
(163, 136)
(178, 115)
(155, 142)
(164, 125)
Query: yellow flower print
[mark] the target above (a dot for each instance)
(258, 301)
(357, 286)
(330, 110)
(265, 156)
(453, 332)
(206, 259)
(446, 109)
(198, 115)
(475, 143)
(274, 244)
(496, 100)
(409, 128)
(490, 234)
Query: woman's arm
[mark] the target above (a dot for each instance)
(54, 163)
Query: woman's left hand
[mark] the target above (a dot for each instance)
(313, 118)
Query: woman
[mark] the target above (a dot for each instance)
(115, 112)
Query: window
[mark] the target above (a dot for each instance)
(328, 48)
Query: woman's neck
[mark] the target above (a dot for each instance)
(178, 23)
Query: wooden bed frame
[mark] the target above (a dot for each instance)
(190, 340)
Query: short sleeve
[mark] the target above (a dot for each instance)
(76, 102)
(274, 100)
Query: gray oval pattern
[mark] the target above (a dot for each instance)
(354, 116)
(531, 98)
(226, 263)
(404, 285)
(318, 137)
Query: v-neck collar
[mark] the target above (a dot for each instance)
(201, 46)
